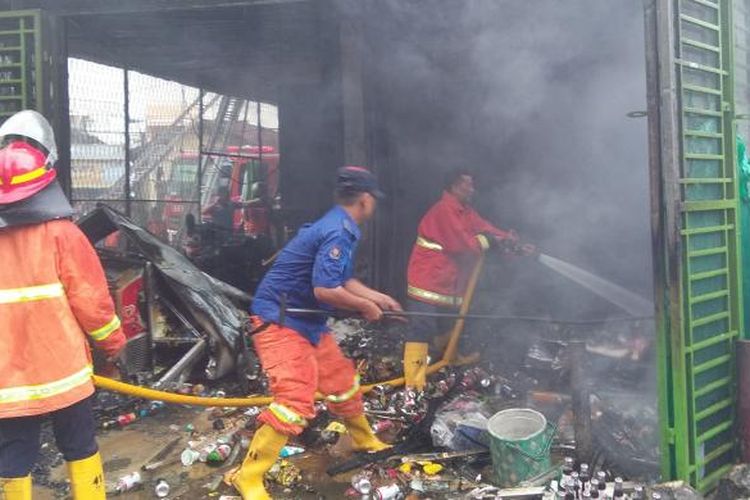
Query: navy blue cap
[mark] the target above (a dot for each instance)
(358, 180)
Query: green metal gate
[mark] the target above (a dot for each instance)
(691, 111)
(20, 62)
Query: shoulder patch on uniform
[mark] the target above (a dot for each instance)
(335, 253)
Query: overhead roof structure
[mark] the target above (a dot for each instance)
(243, 48)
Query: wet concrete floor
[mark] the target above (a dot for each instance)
(127, 450)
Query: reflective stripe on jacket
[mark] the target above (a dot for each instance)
(53, 298)
(449, 238)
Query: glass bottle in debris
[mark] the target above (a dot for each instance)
(595, 493)
(568, 466)
(563, 484)
(602, 478)
(584, 472)
(585, 476)
(619, 490)
(638, 493)
(554, 486)
(575, 482)
(594, 488)
(567, 470)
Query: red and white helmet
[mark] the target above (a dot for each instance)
(27, 156)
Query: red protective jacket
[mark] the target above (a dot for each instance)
(53, 298)
(449, 238)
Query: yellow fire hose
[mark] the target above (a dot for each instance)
(182, 399)
(458, 327)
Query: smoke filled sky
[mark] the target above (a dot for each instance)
(534, 96)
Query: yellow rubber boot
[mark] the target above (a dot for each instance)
(87, 478)
(363, 439)
(16, 488)
(264, 450)
(415, 365)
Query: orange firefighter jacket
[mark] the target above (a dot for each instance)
(53, 299)
(450, 237)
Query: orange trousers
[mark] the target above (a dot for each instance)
(296, 370)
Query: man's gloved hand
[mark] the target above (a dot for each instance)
(389, 304)
(511, 245)
(503, 244)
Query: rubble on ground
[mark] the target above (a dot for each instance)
(168, 306)
(441, 442)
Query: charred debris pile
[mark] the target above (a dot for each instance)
(593, 384)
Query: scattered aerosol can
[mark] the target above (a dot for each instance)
(390, 492)
(162, 488)
(362, 484)
(129, 482)
(289, 451)
(189, 457)
(382, 426)
(219, 454)
(126, 419)
(469, 380)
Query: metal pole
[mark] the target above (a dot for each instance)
(185, 364)
(581, 399)
(201, 94)
(150, 292)
(492, 317)
(126, 103)
(209, 152)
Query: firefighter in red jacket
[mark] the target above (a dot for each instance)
(450, 237)
(53, 300)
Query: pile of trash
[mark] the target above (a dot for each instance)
(442, 445)
(180, 323)
(186, 335)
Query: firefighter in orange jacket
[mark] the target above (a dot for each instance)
(450, 237)
(53, 300)
(298, 352)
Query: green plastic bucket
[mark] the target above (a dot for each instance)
(520, 445)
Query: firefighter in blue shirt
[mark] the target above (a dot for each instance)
(300, 356)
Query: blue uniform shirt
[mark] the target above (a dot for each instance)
(321, 255)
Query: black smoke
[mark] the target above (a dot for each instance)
(534, 96)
